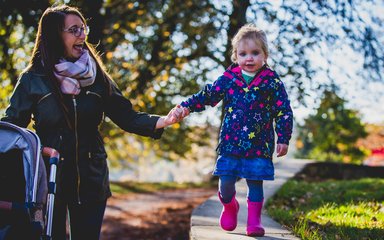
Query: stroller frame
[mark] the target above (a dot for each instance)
(54, 157)
(35, 174)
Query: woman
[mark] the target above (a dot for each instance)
(67, 91)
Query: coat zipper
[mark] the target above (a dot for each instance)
(98, 95)
(93, 93)
(77, 149)
(45, 96)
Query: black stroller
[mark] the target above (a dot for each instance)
(25, 211)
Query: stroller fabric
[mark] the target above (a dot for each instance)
(13, 137)
(24, 183)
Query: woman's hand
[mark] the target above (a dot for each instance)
(176, 114)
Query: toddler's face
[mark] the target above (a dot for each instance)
(250, 55)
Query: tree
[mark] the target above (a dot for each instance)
(160, 51)
(145, 45)
(332, 132)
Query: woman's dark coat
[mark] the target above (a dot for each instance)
(83, 174)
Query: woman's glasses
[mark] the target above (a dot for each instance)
(76, 31)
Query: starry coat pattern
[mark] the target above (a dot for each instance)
(247, 128)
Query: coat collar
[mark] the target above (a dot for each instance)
(234, 71)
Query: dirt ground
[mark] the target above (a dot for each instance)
(164, 215)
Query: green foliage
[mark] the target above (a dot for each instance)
(159, 52)
(331, 133)
(320, 29)
(153, 50)
(332, 209)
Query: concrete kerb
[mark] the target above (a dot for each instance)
(205, 218)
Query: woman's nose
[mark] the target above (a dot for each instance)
(82, 35)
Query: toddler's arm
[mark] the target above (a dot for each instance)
(210, 95)
(283, 114)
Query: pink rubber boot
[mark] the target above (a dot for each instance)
(228, 217)
(254, 227)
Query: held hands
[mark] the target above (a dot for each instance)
(281, 149)
(176, 114)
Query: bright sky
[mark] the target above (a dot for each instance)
(361, 95)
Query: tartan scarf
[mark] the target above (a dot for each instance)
(74, 75)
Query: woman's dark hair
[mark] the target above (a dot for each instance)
(49, 48)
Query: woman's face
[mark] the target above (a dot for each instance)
(73, 44)
(250, 56)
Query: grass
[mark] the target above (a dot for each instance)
(145, 187)
(334, 210)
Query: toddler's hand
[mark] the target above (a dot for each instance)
(177, 114)
(281, 149)
(185, 111)
(174, 116)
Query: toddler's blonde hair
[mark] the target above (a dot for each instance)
(250, 32)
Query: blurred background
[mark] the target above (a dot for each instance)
(329, 55)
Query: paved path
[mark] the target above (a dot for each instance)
(205, 218)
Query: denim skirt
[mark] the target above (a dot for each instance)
(248, 168)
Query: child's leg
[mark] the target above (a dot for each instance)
(228, 217)
(255, 190)
(227, 187)
(255, 204)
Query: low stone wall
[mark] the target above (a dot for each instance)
(319, 171)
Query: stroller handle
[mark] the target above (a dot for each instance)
(50, 152)
(5, 205)
(54, 158)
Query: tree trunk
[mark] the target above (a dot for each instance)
(237, 19)
(91, 10)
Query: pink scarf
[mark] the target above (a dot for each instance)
(74, 75)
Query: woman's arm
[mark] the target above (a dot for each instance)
(19, 110)
(119, 109)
